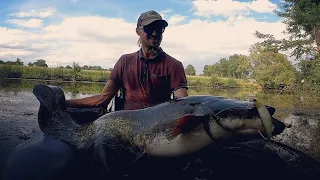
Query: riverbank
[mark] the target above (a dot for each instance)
(72, 75)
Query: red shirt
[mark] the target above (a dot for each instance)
(148, 81)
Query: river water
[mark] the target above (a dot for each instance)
(18, 108)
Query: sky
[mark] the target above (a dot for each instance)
(98, 32)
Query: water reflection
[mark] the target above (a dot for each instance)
(300, 108)
(72, 89)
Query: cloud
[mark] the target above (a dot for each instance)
(4, 52)
(227, 8)
(86, 40)
(31, 23)
(165, 12)
(74, 1)
(202, 41)
(96, 40)
(14, 36)
(263, 6)
(40, 13)
(176, 19)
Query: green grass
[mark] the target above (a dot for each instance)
(60, 74)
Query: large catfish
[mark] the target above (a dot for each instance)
(174, 128)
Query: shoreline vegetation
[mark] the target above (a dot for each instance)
(101, 76)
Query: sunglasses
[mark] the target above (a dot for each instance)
(150, 29)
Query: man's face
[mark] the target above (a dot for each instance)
(151, 35)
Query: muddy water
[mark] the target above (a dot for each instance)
(18, 112)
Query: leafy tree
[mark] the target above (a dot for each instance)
(303, 27)
(1, 62)
(76, 68)
(85, 67)
(40, 63)
(236, 66)
(243, 67)
(271, 68)
(95, 68)
(309, 73)
(205, 70)
(17, 62)
(190, 70)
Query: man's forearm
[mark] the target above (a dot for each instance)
(89, 102)
(101, 100)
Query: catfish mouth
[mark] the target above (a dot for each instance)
(248, 119)
(253, 128)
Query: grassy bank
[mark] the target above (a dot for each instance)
(62, 74)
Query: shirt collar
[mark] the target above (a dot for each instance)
(141, 56)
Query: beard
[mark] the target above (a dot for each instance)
(152, 42)
(152, 48)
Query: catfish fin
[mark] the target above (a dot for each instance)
(183, 125)
(45, 95)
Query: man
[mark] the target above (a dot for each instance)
(149, 76)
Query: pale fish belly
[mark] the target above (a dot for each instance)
(184, 143)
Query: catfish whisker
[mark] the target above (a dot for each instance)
(214, 117)
(262, 135)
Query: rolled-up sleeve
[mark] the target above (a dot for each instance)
(178, 77)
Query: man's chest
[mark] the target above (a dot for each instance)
(146, 74)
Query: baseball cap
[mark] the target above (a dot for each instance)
(150, 17)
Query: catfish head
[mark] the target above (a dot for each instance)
(212, 119)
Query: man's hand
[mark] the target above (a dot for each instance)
(181, 92)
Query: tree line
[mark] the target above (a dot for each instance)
(270, 69)
(42, 63)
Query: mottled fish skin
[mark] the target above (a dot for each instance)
(144, 130)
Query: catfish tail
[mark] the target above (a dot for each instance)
(53, 118)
